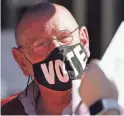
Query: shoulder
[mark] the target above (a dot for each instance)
(10, 104)
(8, 99)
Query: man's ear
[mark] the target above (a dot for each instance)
(85, 39)
(20, 59)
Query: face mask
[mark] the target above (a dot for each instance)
(64, 64)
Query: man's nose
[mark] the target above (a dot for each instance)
(55, 42)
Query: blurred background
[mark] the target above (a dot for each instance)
(101, 17)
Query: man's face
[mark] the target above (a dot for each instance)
(34, 34)
(37, 49)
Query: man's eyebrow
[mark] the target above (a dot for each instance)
(30, 41)
(66, 33)
(37, 40)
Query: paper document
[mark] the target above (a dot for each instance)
(112, 62)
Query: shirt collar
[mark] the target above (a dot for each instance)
(29, 101)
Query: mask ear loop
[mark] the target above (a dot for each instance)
(27, 86)
(35, 97)
(33, 87)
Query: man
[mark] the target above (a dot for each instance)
(52, 50)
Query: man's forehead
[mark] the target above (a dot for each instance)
(34, 26)
(36, 30)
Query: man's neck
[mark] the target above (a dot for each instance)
(54, 102)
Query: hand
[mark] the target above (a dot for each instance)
(95, 85)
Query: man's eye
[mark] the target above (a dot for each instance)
(45, 43)
(41, 44)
